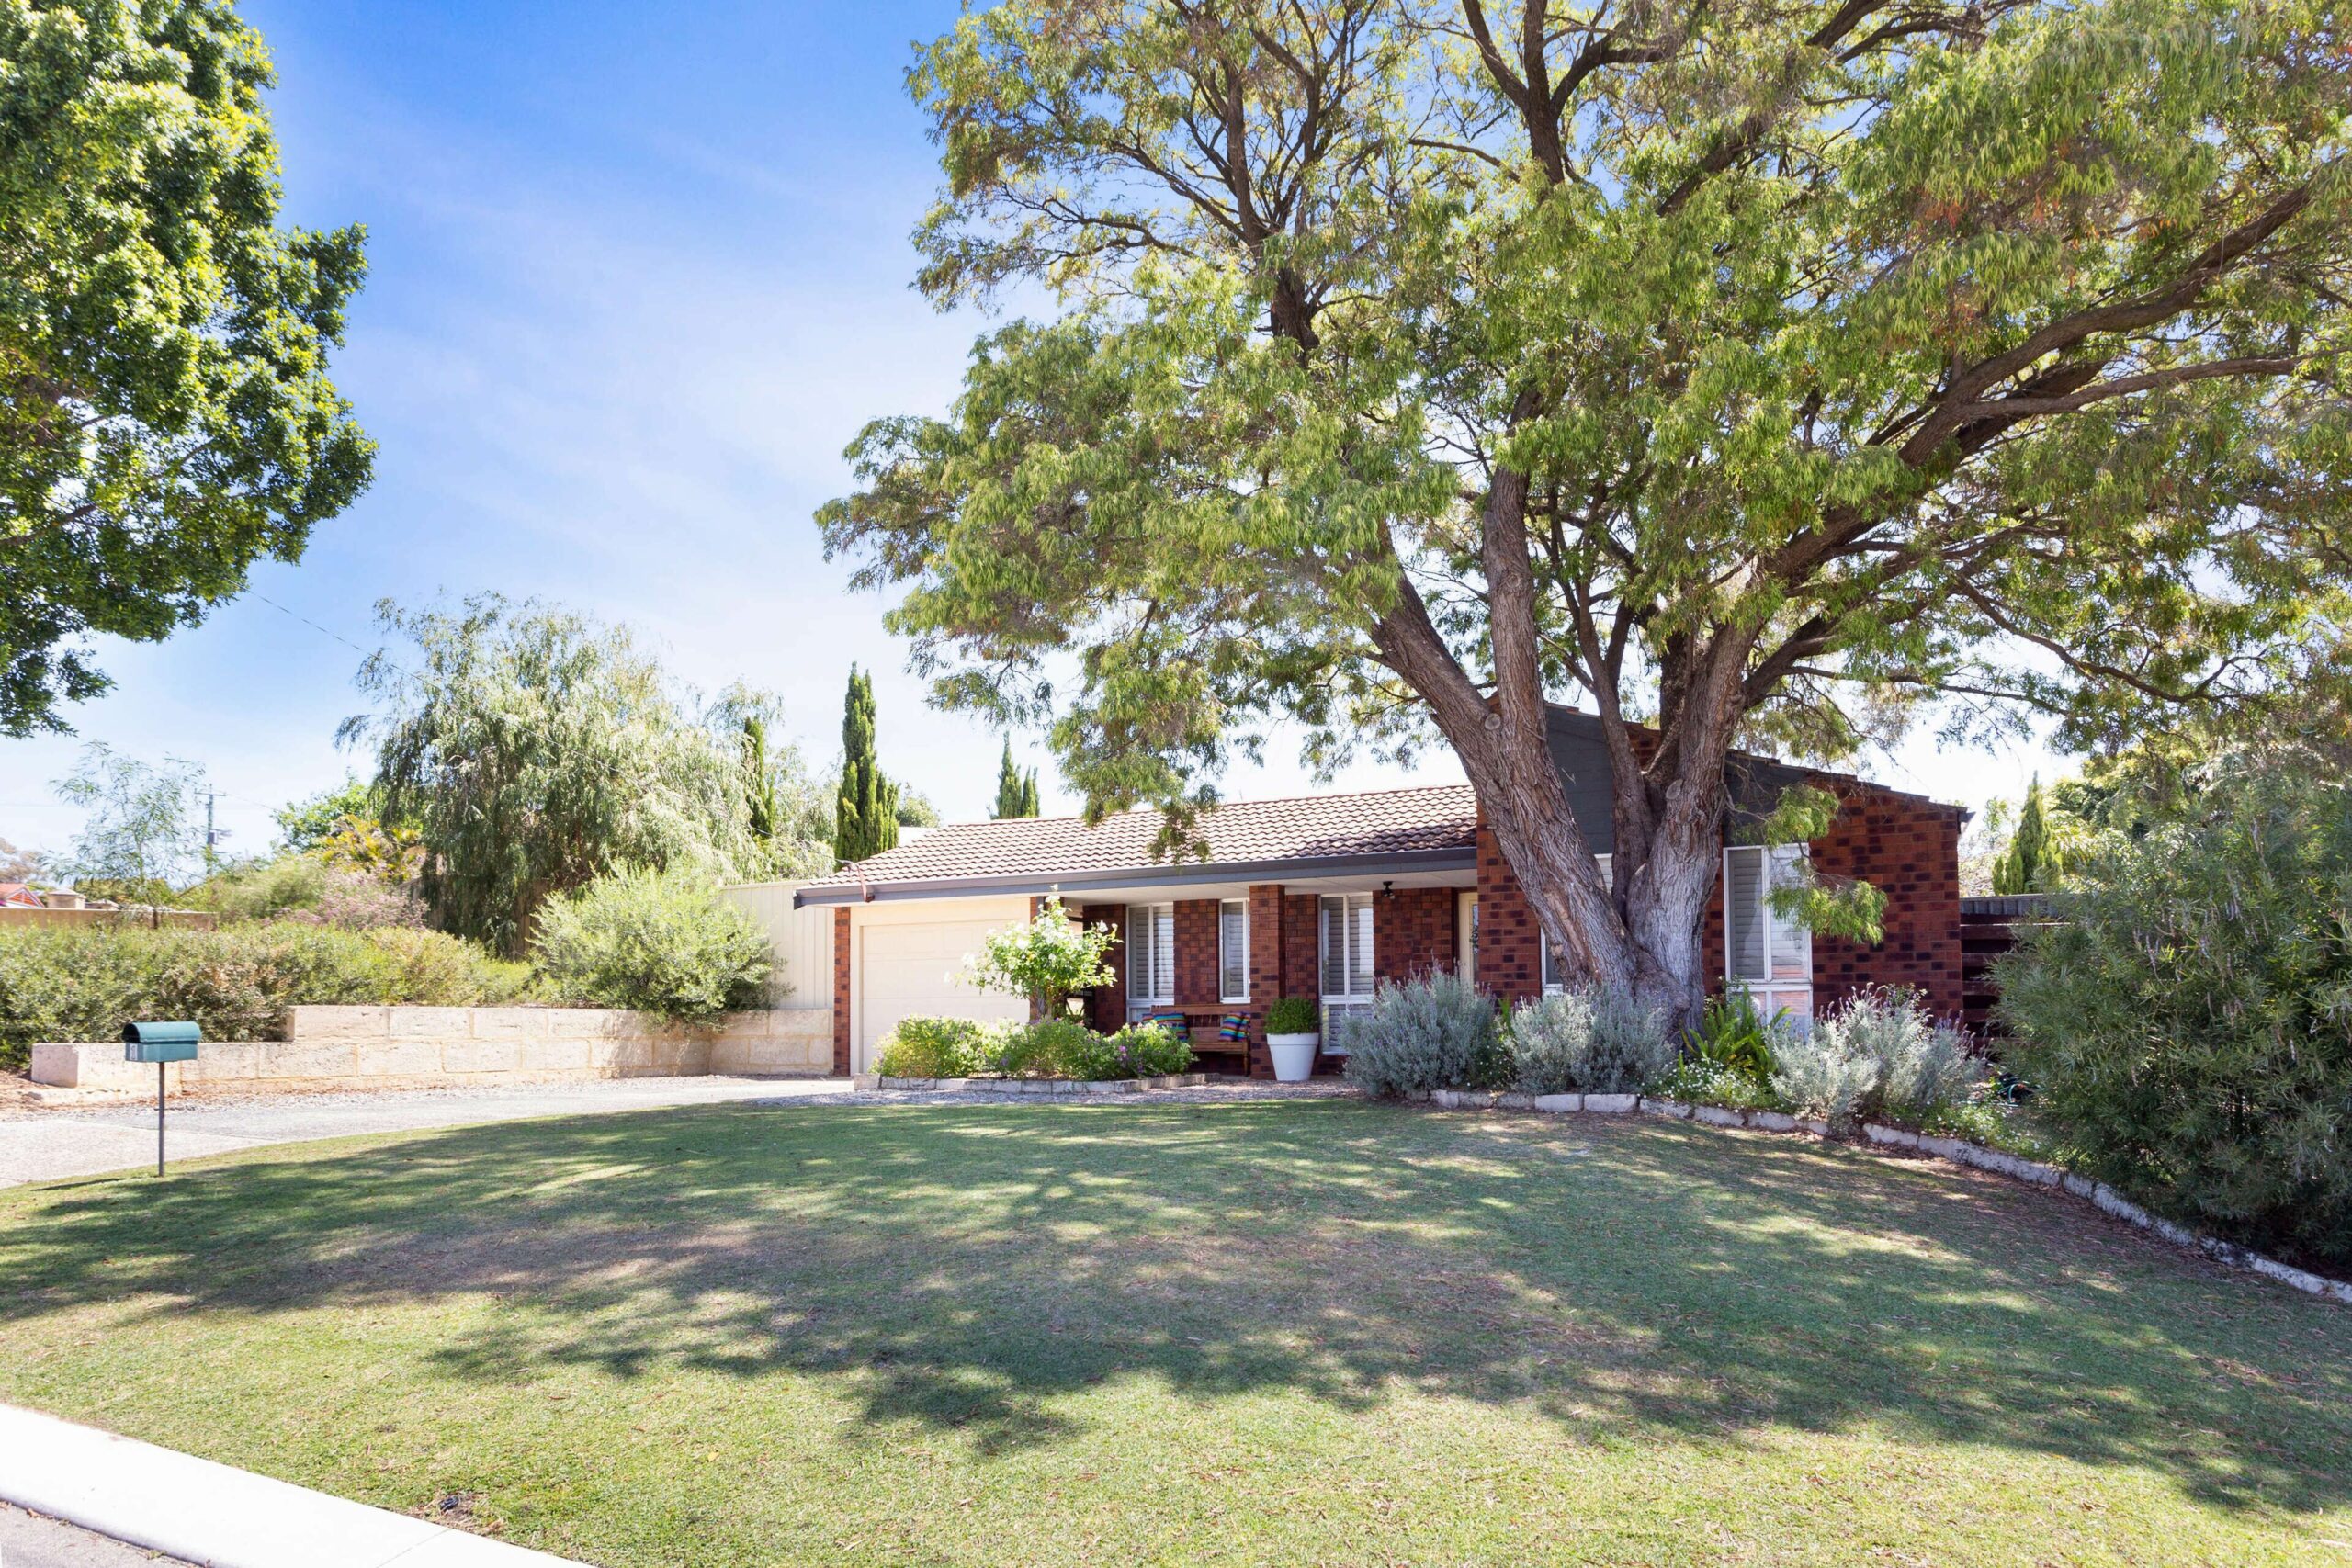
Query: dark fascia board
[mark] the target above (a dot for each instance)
(1463, 857)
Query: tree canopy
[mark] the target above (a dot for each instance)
(165, 415)
(535, 750)
(141, 835)
(1771, 373)
(1016, 792)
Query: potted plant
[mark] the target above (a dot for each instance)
(1291, 1037)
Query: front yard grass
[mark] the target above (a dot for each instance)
(1269, 1332)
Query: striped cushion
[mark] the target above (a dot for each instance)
(1234, 1027)
(1175, 1022)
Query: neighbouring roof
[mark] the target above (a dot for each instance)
(1431, 826)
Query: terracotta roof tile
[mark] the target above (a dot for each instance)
(1436, 817)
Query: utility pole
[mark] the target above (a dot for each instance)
(212, 836)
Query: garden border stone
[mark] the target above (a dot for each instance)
(1031, 1087)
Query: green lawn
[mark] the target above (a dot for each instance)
(1270, 1332)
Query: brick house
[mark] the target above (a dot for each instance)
(1325, 896)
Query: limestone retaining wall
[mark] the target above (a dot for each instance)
(391, 1047)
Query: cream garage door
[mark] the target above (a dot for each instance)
(915, 970)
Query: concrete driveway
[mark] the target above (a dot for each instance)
(45, 1145)
(33, 1541)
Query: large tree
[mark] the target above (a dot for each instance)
(165, 416)
(866, 808)
(1752, 373)
(534, 749)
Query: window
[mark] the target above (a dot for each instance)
(1151, 956)
(1766, 954)
(1347, 964)
(1233, 951)
(1555, 962)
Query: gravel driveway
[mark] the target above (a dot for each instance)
(45, 1145)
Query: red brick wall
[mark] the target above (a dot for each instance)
(840, 989)
(1196, 953)
(1909, 850)
(1412, 931)
(1510, 953)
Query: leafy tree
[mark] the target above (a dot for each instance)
(865, 814)
(21, 865)
(303, 824)
(141, 834)
(535, 750)
(1759, 373)
(662, 943)
(767, 812)
(914, 808)
(1016, 792)
(165, 416)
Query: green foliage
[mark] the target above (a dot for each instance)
(1046, 959)
(2185, 1019)
(940, 1048)
(1697, 1081)
(305, 887)
(1055, 1047)
(1294, 1015)
(659, 941)
(141, 832)
(165, 416)
(866, 813)
(763, 812)
(1016, 792)
(535, 751)
(1878, 1056)
(1764, 371)
(2028, 864)
(1593, 1042)
(303, 825)
(1148, 1050)
(1431, 1031)
(75, 983)
(1733, 1034)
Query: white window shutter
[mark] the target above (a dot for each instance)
(1163, 954)
(1744, 912)
(1233, 950)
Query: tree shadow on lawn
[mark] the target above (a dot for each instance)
(971, 1268)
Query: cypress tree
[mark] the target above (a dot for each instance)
(1016, 792)
(865, 815)
(2021, 866)
(759, 781)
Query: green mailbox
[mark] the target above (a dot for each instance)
(161, 1042)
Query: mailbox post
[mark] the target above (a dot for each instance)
(160, 1044)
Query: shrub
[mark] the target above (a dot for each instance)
(1148, 1051)
(1591, 1041)
(1878, 1056)
(659, 941)
(2186, 1020)
(1732, 1032)
(1422, 1034)
(306, 888)
(1046, 959)
(1699, 1082)
(84, 982)
(1052, 1048)
(938, 1048)
(1294, 1015)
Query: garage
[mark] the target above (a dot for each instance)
(907, 962)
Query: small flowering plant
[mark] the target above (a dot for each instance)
(1045, 960)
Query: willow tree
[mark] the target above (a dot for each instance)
(1759, 373)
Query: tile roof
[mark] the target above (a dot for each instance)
(1379, 822)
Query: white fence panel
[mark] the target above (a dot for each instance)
(803, 940)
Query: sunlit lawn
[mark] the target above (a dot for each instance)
(1272, 1332)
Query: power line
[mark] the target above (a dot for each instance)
(315, 626)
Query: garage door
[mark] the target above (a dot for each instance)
(916, 971)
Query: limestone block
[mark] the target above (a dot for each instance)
(1516, 1102)
(556, 1057)
(1678, 1109)
(1814, 1125)
(466, 1058)
(1893, 1137)
(509, 1023)
(1612, 1104)
(1772, 1121)
(1556, 1104)
(323, 1024)
(429, 1023)
(311, 1059)
(401, 1058)
(1718, 1116)
(236, 1063)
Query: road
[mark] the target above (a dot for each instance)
(48, 1145)
(30, 1540)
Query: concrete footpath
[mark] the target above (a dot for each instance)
(35, 1541)
(48, 1145)
(213, 1516)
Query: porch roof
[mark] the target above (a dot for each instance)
(1392, 832)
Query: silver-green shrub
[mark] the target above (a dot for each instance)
(1426, 1032)
(1591, 1042)
(661, 942)
(1879, 1054)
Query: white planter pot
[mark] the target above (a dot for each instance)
(1294, 1056)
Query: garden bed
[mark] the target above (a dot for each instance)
(997, 1085)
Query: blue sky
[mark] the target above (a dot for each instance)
(637, 274)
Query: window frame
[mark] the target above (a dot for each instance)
(1149, 953)
(1225, 993)
(1550, 983)
(1784, 944)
